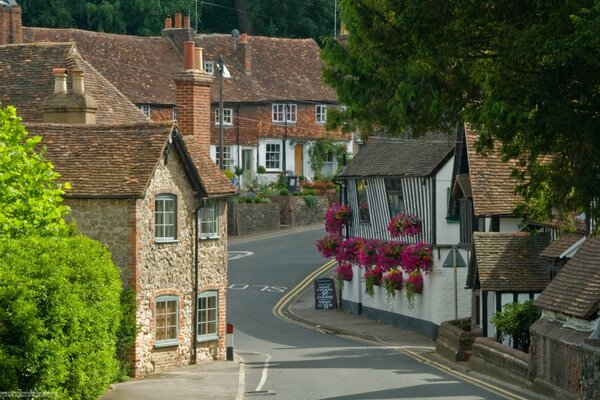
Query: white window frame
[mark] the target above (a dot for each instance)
(228, 158)
(170, 341)
(209, 67)
(210, 325)
(282, 112)
(164, 218)
(145, 108)
(321, 113)
(227, 116)
(174, 113)
(208, 220)
(328, 163)
(269, 163)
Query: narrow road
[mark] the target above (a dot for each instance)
(287, 361)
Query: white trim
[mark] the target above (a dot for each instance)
(227, 116)
(570, 252)
(321, 113)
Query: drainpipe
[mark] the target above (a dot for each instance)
(195, 288)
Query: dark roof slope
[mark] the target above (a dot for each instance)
(400, 157)
(104, 160)
(141, 67)
(214, 181)
(492, 185)
(557, 247)
(27, 81)
(510, 261)
(281, 69)
(576, 289)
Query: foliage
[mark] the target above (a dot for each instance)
(319, 151)
(405, 225)
(328, 245)
(310, 192)
(417, 257)
(238, 170)
(261, 170)
(348, 250)
(373, 277)
(369, 252)
(284, 192)
(344, 273)
(413, 285)
(390, 255)
(311, 201)
(126, 333)
(524, 75)
(59, 315)
(30, 195)
(335, 218)
(229, 174)
(392, 281)
(515, 320)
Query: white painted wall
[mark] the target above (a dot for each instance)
(447, 233)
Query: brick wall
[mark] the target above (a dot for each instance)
(161, 113)
(193, 106)
(11, 27)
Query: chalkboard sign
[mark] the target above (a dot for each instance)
(325, 294)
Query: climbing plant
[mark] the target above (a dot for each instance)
(319, 152)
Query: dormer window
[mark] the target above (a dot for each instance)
(284, 113)
(145, 109)
(209, 66)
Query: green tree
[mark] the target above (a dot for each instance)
(30, 195)
(526, 75)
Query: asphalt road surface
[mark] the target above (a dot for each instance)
(288, 361)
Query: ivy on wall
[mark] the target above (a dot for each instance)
(319, 152)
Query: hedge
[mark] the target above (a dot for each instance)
(59, 315)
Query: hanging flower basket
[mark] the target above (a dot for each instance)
(369, 252)
(390, 255)
(392, 281)
(405, 225)
(344, 273)
(373, 278)
(413, 285)
(335, 217)
(348, 250)
(417, 257)
(328, 245)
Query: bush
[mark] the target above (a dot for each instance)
(59, 314)
(311, 201)
(229, 174)
(514, 323)
(284, 192)
(126, 332)
(311, 192)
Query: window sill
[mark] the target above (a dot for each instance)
(452, 220)
(224, 125)
(210, 338)
(171, 343)
(215, 237)
(166, 241)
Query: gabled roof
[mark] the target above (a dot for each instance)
(562, 244)
(142, 68)
(27, 81)
(492, 185)
(281, 69)
(510, 261)
(576, 289)
(400, 157)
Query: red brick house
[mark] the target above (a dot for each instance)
(275, 103)
(147, 190)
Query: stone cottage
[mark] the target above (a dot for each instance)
(149, 191)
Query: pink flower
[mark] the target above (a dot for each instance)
(390, 255)
(369, 252)
(414, 282)
(344, 271)
(417, 257)
(393, 280)
(349, 249)
(405, 225)
(335, 217)
(328, 245)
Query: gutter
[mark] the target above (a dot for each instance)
(196, 239)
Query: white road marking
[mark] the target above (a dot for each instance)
(265, 371)
(236, 255)
(263, 288)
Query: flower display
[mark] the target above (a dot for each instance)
(389, 255)
(404, 225)
(348, 250)
(369, 252)
(392, 281)
(328, 245)
(413, 285)
(417, 257)
(335, 217)
(344, 272)
(373, 278)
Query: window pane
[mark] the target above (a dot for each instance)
(363, 201)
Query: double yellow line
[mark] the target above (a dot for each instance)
(295, 292)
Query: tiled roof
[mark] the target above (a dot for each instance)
(281, 69)
(510, 261)
(214, 181)
(491, 182)
(464, 182)
(575, 291)
(27, 81)
(141, 67)
(557, 247)
(400, 157)
(104, 160)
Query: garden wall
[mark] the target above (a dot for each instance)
(455, 339)
(495, 359)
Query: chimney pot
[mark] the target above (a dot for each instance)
(78, 85)
(178, 20)
(199, 62)
(188, 55)
(168, 23)
(186, 21)
(60, 80)
(244, 38)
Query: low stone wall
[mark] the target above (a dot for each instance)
(455, 339)
(244, 219)
(294, 210)
(495, 359)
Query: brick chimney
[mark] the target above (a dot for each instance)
(244, 53)
(178, 34)
(193, 101)
(11, 26)
(69, 108)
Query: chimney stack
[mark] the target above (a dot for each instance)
(177, 20)
(193, 90)
(186, 21)
(244, 54)
(168, 23)
(62, 107)
(11, 25)
(198, 60)
(178, 34)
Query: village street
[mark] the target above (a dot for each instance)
(288, 361)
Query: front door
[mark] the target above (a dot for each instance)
(247, 165)
(299, 157)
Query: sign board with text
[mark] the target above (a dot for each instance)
(325, 298)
